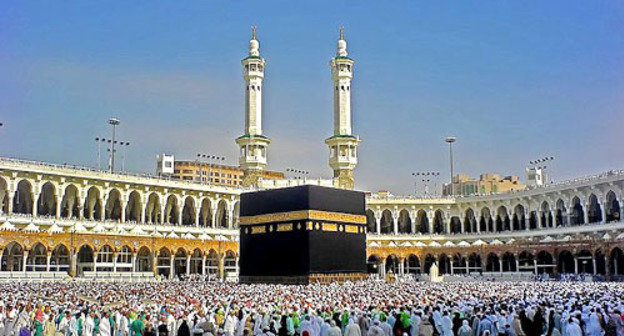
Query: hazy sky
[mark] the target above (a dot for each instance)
(513, 81)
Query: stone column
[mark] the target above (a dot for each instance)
(188, 265)
(540, 223)
(171, 266)
(517, 265)
(222, 267)
(603, 210)
(162, 214)
(401, 267)
(500, 264)
(143, 210)
(594, 272)
(35, 203)
(114, 262)
(586, 214)
(73, 264)
(196, 218)
(155, 263)
(452, 267)
(378, 223)
(213, 214)
(24, 259)
(133, 260)
(203, 268)
(57, 211)
(535, 266)
(576, 265)
(95, 257)
(395, 224)
(11, 196)
(48, 257)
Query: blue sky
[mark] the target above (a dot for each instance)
(513, 80)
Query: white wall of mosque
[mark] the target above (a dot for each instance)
(54, 199)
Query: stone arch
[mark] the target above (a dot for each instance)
(455, 225)
(4, 196)
(526, 261)
(134, 207)
(584, 259)
(93, 204)
(205, 212)
(405, 222)
(386, 222)
(172, 210)
(230, 262)
(371, 222)
(222, 214)
(70, 204)
(599, 257)
(616, 262)
(163, 262)
(459, 264)
(561, 213)
(12, 257)
(105, 257)
(85, 262)
(444, 264)
(438, 222)
(37, 258)
(152, 209)
(60, 259)
(547, 219)
(179, 262)
(212, 264)
(519, 221)
(23, 199)
(412, 264)
(236, 214)
(124, 259)
(502, 219)
(392, 264)
(188, 211)
(612, 207)
(509, 262)
(545, 262)
(594, 213)
(112, 210)
(429, 261)
(474, 263)
(577, 215)
(422, 221)
(565, 262)
(197, 259)
(470, 221)
(485, 221)
(46, 204)
(144, 260)
(493, 263)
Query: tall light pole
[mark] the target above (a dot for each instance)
(450, 140)
(114, 122)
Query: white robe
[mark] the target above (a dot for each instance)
(353, 330)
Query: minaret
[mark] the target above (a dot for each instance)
(343, 144)
(253, 145)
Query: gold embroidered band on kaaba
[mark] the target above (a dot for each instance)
(301, 215)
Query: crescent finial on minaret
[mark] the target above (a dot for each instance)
(253, 32)
(341, 32)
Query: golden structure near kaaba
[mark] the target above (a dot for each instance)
(58, 221)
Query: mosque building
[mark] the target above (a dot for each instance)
(59, 221)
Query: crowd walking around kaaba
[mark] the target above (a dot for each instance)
(366, 308)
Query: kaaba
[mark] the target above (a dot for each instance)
(302, 235)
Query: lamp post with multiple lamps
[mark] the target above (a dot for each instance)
(540, 164)
(209, 160)
(425, 177)
(123, 144)
(298, 173)
(450, 140)
(113, 122)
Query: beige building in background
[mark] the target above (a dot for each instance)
(487, 184)
(215, 174)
